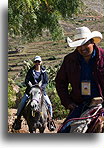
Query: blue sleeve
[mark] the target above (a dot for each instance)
(45, 81)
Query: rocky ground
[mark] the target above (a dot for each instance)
(24, 128)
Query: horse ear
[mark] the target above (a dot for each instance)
(30, 84)
(40, 83)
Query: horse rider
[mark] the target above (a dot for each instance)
(34, 75)
(84, 70)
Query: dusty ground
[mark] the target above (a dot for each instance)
(24, 128)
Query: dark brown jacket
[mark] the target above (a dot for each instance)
(70, 73)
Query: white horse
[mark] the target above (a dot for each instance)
(35, 111)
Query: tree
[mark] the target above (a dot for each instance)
(28, 18)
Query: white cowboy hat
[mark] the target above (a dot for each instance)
(37, 58)
(83, 35)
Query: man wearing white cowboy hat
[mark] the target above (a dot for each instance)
(84, 70)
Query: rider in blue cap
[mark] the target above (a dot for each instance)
(35, 74)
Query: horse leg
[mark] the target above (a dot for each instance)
(41, 130)
(30, 126)
(42, 125)
(31, 130)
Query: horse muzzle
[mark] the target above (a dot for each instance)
(35, 106)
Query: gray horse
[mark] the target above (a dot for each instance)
(35, 111)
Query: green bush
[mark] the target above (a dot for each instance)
(11, 94)
(59, 112)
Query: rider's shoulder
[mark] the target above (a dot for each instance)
(71, 56)
(43, 69)
(101, 51)
(31, 69)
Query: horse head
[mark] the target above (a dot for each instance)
(36, 97)
(35, 113)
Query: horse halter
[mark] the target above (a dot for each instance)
(36, 98)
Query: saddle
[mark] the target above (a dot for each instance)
(90, 121)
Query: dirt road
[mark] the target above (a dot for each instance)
(24, 128)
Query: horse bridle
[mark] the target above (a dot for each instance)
(39, 102)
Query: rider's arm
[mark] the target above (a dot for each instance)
(45, 81)
(62, 86)
(28, 78)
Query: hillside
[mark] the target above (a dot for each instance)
(95, 5)
(51, 52)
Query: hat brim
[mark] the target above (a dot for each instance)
(37, 60)
(96, 35)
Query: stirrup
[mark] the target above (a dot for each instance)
(17, 124)
(51, 125)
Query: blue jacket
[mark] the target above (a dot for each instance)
(30, 77)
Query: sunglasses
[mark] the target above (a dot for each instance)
(37, 61)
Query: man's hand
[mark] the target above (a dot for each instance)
(95, 101)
